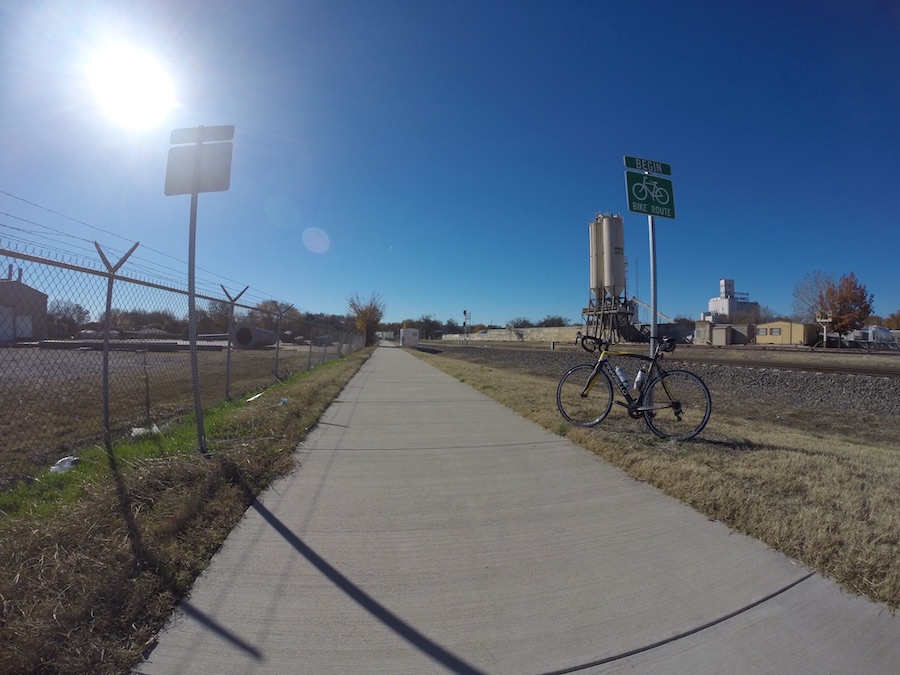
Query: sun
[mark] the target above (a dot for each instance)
(131, 87)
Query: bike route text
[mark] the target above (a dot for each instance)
(663, 211)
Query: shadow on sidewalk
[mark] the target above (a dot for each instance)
(367, 602)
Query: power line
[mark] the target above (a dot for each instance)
(150, 267)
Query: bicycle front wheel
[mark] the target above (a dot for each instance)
(676, 405)
(583, 401)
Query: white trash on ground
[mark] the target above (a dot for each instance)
(138, 432)
(64, 464)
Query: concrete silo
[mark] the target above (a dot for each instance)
(608, 314)
(595, 230)
(614, 256)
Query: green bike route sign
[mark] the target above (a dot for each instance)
(650, 195)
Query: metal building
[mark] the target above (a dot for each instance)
(23, 311)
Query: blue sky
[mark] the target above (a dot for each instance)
(450, 155)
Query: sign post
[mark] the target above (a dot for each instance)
(652, 196)
(467, 317)
(202, 166)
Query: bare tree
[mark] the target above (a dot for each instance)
(367, 315)
(892, 321)
(768, 315)
(521, 322)
(807, 292)
(553, 321)
(66, 317)
(217, 316)
(427, 326)
(265, 314)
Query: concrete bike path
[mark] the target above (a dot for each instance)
(431, 529)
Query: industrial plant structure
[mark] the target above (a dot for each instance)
(609, 314)
(731, 306)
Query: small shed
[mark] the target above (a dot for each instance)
(409, 337)
(23, 312)
(722, 335)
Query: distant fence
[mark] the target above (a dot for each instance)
(53, 327)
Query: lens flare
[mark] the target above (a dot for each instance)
(316, 240)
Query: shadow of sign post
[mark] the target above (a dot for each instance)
(447, 659)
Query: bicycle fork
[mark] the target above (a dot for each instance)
(591, 379)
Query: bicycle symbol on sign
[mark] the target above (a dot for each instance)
(651, 189)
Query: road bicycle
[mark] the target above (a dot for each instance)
(675, 404)
(652, 189)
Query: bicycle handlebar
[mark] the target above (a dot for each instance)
(590, 343)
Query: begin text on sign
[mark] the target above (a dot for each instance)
(648, 165)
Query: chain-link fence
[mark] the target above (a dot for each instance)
(54, 348)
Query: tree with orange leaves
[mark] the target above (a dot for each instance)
(848, 302)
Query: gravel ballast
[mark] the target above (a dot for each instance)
(782, 388)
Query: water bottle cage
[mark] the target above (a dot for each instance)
(639, 379)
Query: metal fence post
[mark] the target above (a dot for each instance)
(110, 279)
(232, 302)
(279, 316)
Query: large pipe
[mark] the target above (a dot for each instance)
(245, 336)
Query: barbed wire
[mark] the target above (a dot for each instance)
(58, 242)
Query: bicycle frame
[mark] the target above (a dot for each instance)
(603, 362)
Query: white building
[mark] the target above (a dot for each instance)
(731, 306)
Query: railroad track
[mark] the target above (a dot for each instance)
(819, 362)
(818, 367)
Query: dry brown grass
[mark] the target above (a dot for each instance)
(819, 489)
(87, 584)
(56, 407)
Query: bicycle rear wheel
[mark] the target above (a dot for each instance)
(676, 405)
(582, 404)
